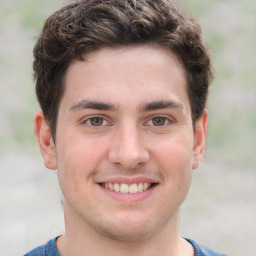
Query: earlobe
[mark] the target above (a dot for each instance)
(45, 140)
(200, 139)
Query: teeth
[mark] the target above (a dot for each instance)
(133, 188)
(109, 185)
(116, 187)
(126, 188)
(140, 187)
(145, 186)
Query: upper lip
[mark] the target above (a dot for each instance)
(128, 180)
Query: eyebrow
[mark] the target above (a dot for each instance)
(88, 104)
(156, 105)
(97, 105)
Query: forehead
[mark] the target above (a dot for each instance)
(151, 57)
(135, 72)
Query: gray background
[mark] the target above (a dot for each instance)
(220, 210)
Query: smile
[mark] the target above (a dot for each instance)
(128, 188)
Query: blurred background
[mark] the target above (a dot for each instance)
(220, 210)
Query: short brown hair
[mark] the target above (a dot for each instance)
(88, 25)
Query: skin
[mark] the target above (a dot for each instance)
(124, 117)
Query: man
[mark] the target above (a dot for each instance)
(122, 86)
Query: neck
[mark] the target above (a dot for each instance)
(82, 240)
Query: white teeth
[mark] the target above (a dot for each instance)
(126, 188)
(133, 188)
(116, 187)
(140, 187)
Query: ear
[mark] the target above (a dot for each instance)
(200, 139)
(45, 140)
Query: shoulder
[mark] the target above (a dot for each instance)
(39, 251)
(48, 249)
(203, 250)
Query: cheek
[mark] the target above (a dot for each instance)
(176, 151)
(175, 160)
(77, 161)
(81, 153)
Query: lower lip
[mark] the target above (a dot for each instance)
(131, 197)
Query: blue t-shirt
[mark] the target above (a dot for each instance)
(50, 249)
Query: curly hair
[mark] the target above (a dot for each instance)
(88, 25)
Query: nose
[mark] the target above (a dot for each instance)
(128, 149)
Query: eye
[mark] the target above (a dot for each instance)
(95, 121)
(158, 121)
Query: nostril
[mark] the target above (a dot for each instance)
(127, 149)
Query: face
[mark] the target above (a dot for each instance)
(125, 145)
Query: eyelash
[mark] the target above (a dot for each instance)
(88, 121)
(167, 121)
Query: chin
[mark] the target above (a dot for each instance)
(128, 230)
(126, 235)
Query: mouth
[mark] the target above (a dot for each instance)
(124, 188)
